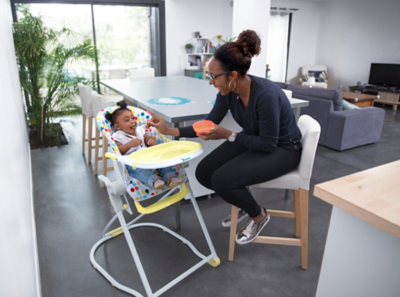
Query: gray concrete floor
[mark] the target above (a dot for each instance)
(71, 210)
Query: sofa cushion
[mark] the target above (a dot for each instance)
(348, 106)
(334, 95)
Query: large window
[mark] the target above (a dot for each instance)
(126, 36)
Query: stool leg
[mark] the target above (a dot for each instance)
(83, 133)
(304, 226)
(296, 204)
(90, 134)
(104, 159)
(96, 152)
(232, 236)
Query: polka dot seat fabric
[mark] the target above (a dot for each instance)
(136, 189)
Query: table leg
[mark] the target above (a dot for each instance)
(297, 113)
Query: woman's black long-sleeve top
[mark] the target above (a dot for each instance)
(267, 122)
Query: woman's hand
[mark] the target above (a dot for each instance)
(217, 132)
(158, 122)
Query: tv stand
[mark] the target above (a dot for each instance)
(388, 96)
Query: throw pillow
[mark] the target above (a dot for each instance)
(320, 75)
(348, 106)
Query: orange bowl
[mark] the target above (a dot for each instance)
(203, 126)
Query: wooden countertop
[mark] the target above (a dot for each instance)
(372, 195)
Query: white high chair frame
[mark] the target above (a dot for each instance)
(117, 194)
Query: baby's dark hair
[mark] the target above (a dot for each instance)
(236, 56)
(112, 117)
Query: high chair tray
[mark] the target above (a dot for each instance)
(163, 155)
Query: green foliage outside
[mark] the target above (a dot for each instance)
(43, 63)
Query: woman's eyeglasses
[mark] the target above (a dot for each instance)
(210, 77)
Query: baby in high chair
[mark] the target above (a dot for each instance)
(129, 138)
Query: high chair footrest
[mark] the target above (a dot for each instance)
(214, 262)
(161, 204)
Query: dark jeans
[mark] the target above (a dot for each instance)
(230, 168)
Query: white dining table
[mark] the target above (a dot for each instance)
(139, 92)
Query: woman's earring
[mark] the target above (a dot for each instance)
(229, 86)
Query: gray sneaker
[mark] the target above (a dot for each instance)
(251, 230)
(241, 216)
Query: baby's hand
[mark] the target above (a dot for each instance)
(151, 142)
(135, 142)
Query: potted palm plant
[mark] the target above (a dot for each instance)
(42, 62)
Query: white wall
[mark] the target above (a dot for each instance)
(304, 35)
(253, 15)
(18, 273)
(354, 34)
(183, 17)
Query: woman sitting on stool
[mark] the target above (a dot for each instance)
(267, 147)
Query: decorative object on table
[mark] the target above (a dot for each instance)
(169, 101)
(197, 35)
(189, 48)
(320, 74)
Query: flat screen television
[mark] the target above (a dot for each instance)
(386, 75)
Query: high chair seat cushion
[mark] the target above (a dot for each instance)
(136, 189)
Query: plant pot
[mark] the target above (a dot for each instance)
(189, 50)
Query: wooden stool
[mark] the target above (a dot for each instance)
(297, 180)
(87, 114)
(300, 216)
(99, 103)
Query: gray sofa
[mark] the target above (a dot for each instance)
(340, 129)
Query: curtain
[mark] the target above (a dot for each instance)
(277, 46)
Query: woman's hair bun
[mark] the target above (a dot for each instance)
(122, 104)
(249, 43)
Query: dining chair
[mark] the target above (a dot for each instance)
(87, 116)
(297, 180)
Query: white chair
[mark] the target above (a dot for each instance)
(305, 80)
(87, 114)
(99, 103)
(297, 180)
(141, 73)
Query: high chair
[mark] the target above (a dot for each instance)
(167, 153)
(87, 114)
(297, 180)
